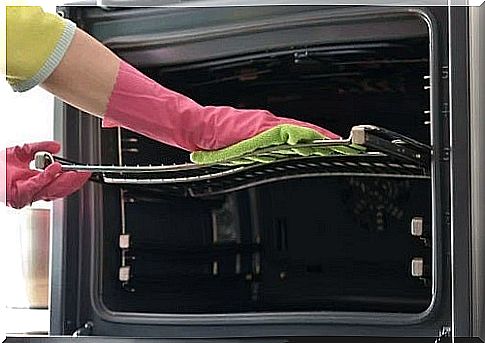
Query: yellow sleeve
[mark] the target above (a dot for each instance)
(36, 43)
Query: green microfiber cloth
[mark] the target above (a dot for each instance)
(278, 135)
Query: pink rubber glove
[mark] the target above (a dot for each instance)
(142, 105)
(25, 186)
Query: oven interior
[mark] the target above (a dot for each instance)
(342, 243)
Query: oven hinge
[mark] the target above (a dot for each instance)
(85, 330)
(444, 334)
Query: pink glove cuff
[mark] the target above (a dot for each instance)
(142, 105)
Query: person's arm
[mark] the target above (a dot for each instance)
(86, 74)
(45, 49)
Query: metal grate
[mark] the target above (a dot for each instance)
(226, 179)
(383, 154)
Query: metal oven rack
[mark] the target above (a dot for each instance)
(378, 152)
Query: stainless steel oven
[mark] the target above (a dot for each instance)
(298, 248)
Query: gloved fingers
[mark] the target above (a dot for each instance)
(64, 184)
(23, 191)
(26, 152)
(327, 133)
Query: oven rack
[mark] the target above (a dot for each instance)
(366, 165)
(373, 151)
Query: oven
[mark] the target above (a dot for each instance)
(339, 246)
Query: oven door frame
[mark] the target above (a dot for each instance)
(467, 113)
(75, 302)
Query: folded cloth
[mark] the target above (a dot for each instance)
(281, 134)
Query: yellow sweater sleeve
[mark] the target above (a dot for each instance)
(36, 43)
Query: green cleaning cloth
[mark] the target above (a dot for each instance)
(278, 135)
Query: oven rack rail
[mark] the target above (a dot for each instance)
(380, 153)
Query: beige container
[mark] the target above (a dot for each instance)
(34, 234)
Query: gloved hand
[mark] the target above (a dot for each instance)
(25, 186)
(142, 105)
